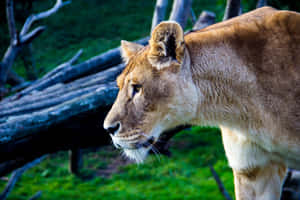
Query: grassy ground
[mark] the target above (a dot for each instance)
(183, 176)
(96, 26)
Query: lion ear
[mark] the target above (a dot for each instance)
(128, 49)
(166, 45)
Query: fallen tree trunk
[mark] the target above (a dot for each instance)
(63, 110)
(70, 72)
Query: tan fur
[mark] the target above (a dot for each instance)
(242, 75)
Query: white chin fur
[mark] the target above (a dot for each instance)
(138, 155)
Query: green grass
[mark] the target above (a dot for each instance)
(185, 175)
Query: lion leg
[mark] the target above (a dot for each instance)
(256, 176)
(263, 183)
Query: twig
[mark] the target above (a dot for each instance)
(16, 175)
(219, 183)
(25, 39)
(35, 17)
(64, 65)
(11, 20)
(193, 16)
(18, 40)
(36, 195)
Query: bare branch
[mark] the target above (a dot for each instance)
(261, 3)
(159, 12)
(16, 175)
(11, 21)
(75, 57)
(181, 11)
(36, 195)
(205, 19)
(17, 41)
(26, 39)
(232, 9)
(193, 16)
(64, 65)
(219, 183)
(35, 17)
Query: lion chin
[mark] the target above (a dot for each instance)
(138, 155)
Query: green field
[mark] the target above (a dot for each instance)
(96, 26)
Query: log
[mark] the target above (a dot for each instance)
(72, 99)
(72, 72)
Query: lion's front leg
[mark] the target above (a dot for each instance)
(256, 176)
(262, 183)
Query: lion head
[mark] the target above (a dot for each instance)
(156, 91)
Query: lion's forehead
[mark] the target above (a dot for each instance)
(137, 67)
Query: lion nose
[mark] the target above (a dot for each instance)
(113, 129)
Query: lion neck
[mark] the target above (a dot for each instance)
(225, 87)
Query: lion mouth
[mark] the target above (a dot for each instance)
(150, 141)
(130, 145)
(137, 150)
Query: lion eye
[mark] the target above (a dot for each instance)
(136, 89)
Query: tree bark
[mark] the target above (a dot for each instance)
(205, 19)
(159, 12)
(232, 9)
(181, 11)
(72, 99)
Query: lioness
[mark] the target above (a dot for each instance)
(242, 75)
